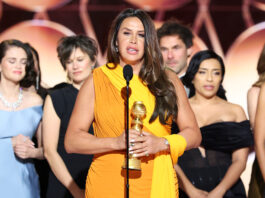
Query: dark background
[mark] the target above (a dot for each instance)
(226, 15)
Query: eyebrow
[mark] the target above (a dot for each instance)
(8, 58)
(207, 69)
(175, 45)
(128, 29)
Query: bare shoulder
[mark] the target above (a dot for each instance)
(86, 91)
(32, 98)
(253, 92)
(237, 110)
(88, 84)
(262, 88)
(173, 77)
(262, 93)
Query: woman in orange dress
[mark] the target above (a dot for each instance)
(132, 40)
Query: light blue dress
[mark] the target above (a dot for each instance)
(18, 177)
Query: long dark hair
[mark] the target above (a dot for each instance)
(30, 76)
(152, 72)
(193, 68)
(37, 81)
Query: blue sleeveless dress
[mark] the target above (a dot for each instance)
(18, 177)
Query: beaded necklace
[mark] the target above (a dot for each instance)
(13, 105)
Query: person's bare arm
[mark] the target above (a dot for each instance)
(259, 131)
(51, 130)
(77, 139)
(185, 120)
(252, 102)
(23, 146)
(38, 154)
(239, 160)
(187, 186)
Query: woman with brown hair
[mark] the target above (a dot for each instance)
(132, 40)
(20, 115)
(67, 177)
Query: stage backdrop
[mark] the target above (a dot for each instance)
(234, 29)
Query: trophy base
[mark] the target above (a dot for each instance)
(134, 164)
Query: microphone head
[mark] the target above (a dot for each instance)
(127, 72)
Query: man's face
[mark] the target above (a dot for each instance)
(175, 53)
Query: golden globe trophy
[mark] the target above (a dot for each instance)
(138, 113)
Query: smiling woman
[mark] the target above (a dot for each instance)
(132, 40)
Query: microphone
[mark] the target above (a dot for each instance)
(127, 73)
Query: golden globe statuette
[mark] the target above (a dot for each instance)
(138, 113)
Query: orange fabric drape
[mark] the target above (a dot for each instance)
(157, 178)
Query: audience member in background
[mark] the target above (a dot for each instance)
(257, 184)
(132, 40)
(213, 170)
(175, 42)
(77, 55)
(20, 115)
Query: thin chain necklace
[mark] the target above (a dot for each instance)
(13, 105)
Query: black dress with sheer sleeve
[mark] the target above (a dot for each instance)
(63, 100)
(219, 141)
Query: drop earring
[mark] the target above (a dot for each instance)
(37, 82)
(116, 49)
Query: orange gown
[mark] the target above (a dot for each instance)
(106, 178)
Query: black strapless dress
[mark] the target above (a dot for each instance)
(219, 140)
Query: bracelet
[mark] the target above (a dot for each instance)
(166, 142)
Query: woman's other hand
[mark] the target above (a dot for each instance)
(145, 144)
(23, 146)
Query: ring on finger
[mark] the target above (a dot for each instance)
(147, 154)
(132, 144)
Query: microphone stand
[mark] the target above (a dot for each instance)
(127, 74)
(127, 138)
